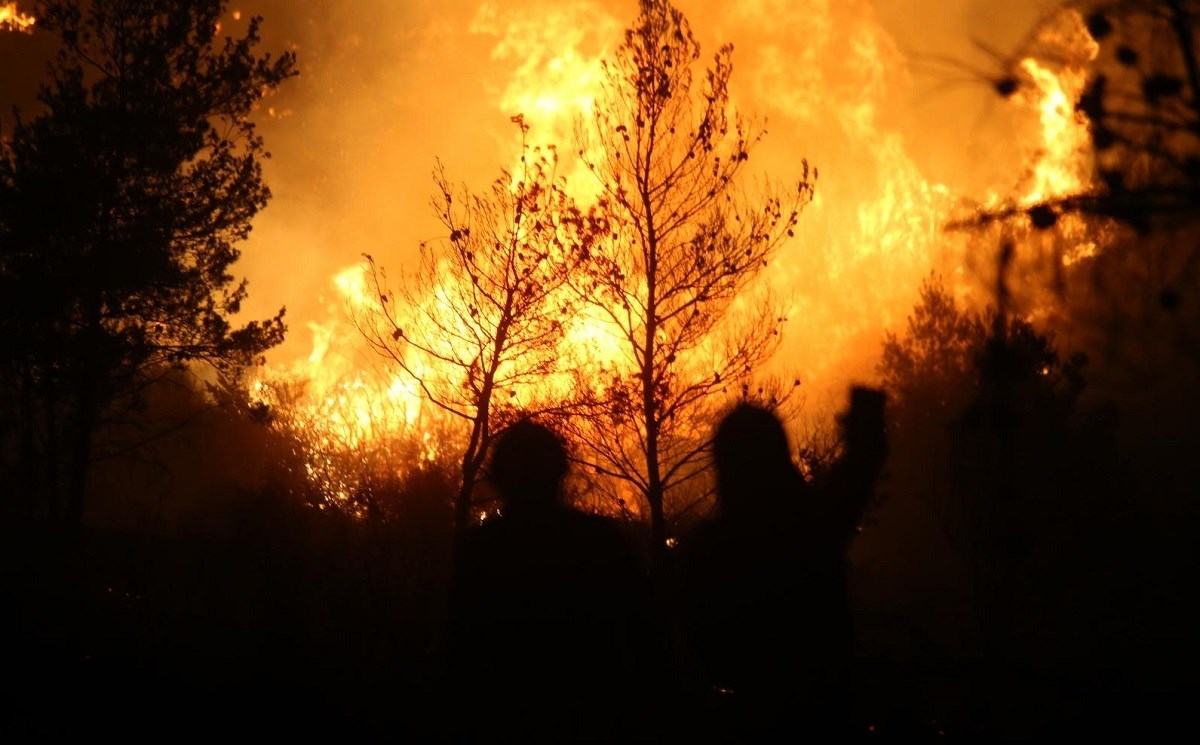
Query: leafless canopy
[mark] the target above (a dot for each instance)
(686, 244)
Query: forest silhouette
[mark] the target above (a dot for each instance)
(990, 540)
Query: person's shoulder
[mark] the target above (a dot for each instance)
(601, 536)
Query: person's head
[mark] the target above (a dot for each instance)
(529, 463)
(753, 459)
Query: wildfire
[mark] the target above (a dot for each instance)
(357, 421)
(556, 51)
(825, 74)
(12, 19)
(1061, 165)
(352, 403)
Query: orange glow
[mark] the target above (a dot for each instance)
(1061, 170)
(354, 403)
(1062, 164)
(827, 76)
(12, 19)
(556, 53)
(341, 405)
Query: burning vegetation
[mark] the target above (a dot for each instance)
(838, 277)
(12, 19)
(614, 243)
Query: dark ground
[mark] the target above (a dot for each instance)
(115, 633)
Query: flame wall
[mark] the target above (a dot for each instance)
(858, 87)
(851, 85)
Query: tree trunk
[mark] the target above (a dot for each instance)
(654, 490)
(27, 453)
(92, 369)
(472, 463)
(53, 496)
(81, 451)
(462, 502)
(658, 522)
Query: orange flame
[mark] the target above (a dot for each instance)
(12, 19)
(343, 394)
(1061, 170)
(1062, 165)
(872, 233)
(341, 406)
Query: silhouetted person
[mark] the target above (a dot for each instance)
(763, 584)
(551, 630)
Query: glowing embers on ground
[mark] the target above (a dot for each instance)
(12, 19)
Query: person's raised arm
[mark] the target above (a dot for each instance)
(853, 478)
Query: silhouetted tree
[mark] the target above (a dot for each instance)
(944, 372)
(1132, 299)
(478, 325)
(988, 429)
(121, 206)
(686, 245)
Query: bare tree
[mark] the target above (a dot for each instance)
(478, 325)
(685, 246)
